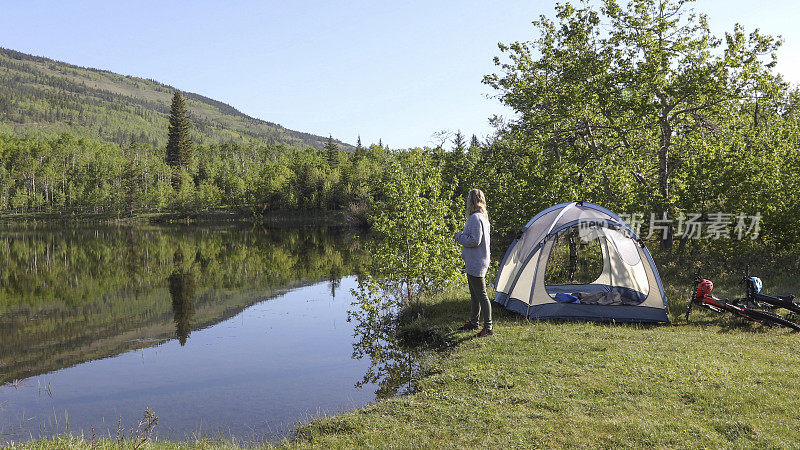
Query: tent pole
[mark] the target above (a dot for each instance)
(607, 258)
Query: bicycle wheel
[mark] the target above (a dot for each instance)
(791, 306)
(778, 302)
(768, 318)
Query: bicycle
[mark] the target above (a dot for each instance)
(701, 295)
(754, 297)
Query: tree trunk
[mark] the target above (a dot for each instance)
(665, 141)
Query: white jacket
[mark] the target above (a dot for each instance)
(475, 242)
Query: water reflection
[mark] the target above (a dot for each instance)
(181, 289)
(393, 366)
(76, 294)
(281, 360)
(74, 302)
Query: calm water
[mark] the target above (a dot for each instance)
(239, 332)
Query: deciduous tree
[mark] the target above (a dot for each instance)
(613, 98)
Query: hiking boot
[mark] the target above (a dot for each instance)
(469, 326)
(485, 332)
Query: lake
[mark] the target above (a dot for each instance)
(219, 331)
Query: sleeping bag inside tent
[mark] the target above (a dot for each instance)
(579, 260)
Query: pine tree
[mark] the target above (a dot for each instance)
(458, 143)
(474, 142)
(359, 148)
(179, 145)
(332, 151)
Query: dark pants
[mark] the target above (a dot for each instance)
(479, 301)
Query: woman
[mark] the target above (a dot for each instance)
(475, 251)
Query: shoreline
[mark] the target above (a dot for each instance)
(221, 216)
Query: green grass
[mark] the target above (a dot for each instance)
(77, 443)
(551, 384)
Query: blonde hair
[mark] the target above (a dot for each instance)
(476, 202)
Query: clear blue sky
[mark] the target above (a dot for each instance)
(397, 71)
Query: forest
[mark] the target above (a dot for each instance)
(79, 175)
(653, 115)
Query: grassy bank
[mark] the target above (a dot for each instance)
(552, 384)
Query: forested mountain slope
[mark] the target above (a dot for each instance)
(42, 97)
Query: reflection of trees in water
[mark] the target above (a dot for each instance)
(181, 289)
(392, 367)
(334, 281)
(63, 290)
(83, 265)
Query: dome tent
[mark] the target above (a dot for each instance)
(628, 288)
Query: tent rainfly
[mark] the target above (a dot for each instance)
(628, 288)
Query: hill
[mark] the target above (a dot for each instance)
(43, 97)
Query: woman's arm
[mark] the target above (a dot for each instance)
(473, 232)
